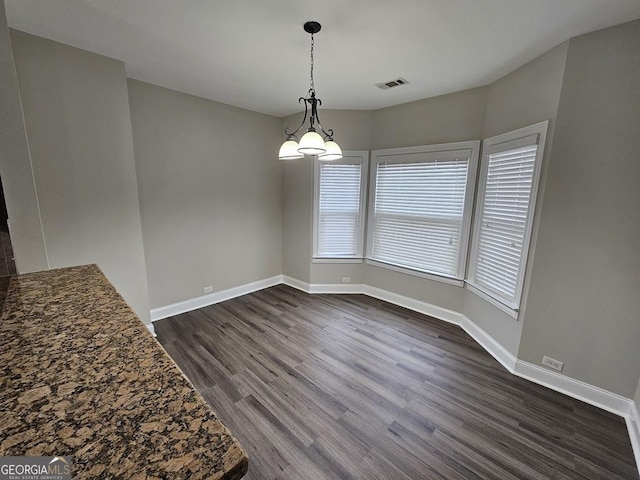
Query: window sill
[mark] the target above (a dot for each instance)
(335, 260)
(415, 273)
(513, 313)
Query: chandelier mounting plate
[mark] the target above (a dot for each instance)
(312, 27)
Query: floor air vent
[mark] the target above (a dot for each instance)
(393, 83)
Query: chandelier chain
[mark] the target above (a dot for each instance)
(312, 85)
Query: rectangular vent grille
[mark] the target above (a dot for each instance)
(392, 83)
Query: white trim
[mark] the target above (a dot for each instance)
(419, 306)
(336, 260)
(151, 328)
(415, 273)
(585, 392)
(348, 288)
(633, 424)
(325, 288)
(497, 145)
(348, 157)
(493, 301)
(211, 298)
(505, 357)
(295, 283)
(437, 148)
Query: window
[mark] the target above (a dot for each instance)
(339, 206)
(420, 211)
(504, 213)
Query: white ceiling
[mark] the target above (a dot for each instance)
(255, 54)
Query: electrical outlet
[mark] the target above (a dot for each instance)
(208, 289)
(551, 363)
(346, 279)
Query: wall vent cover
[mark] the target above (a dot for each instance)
(392, 83)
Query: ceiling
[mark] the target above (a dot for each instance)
(255, 54)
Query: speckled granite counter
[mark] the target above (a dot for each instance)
(80, 375)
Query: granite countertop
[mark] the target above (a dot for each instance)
(80, 375)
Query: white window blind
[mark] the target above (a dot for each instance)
(421, 211)
(339, 209)
(504, 220)
(504, 216)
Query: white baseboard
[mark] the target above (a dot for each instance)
(486, 341)
(585, 392)
(344, 288)
(633, 424)
(151, 329)
(295, 283)
(211, 298)
(412, 304)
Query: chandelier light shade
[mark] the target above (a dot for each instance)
(311, 143)
(334, 152)
(289, 151)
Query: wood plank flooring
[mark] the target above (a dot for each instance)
(350, 387)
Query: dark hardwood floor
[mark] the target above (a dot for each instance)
(349, 387)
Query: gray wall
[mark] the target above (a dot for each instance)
(15, 165)
(583, 301)
(448, 118)
(210, 191)
(297, 185)
(76, 112)
(527, 95)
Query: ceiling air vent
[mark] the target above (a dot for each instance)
(393, 83)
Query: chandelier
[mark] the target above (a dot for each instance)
(311, 142)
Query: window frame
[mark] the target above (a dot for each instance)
(384, 155)
(347, 158)
(503, 143)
